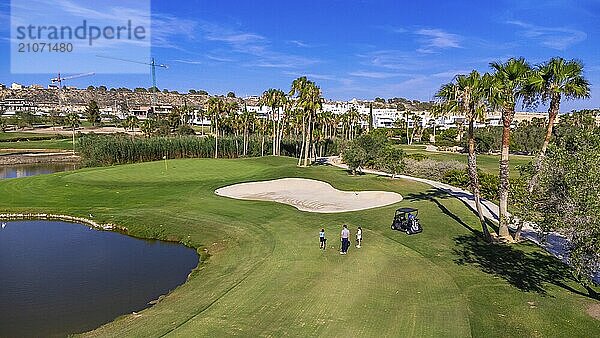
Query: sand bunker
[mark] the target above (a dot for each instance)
(309, 195)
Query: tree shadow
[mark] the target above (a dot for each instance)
(433, 195)
(527, 271)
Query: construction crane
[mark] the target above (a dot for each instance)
(152, 65)
(59, 80)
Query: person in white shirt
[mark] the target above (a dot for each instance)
(358, 237)
(345, 237)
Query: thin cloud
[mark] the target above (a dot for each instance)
(189, 62)
(254, 45)
(392, 29)
(393, 59)
(450, 73)
(375, 75)
(218, 58)
(312, 75)
(435, 39)
(559, 38)
(300, 44)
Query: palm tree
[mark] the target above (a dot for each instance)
(72, 120)
(353, 117)
(149, 127)
(311, 102)
(309, 99)
(553, 80)
(467, 95)
(216, 107)
(407, 114)
(507, 87)
(200, 113)
(274, 99)
(247, 118)
(131, 122)
(263, 128)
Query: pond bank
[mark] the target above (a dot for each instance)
(19, 157)
(67, 218)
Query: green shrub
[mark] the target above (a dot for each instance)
(417, 156)
(488, 183)
(430, 169)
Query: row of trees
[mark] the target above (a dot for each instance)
(509, 83)
(296, 114)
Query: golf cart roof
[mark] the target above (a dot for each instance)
(407, 210)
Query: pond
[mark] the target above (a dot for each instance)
(24, 170)
(58, 278)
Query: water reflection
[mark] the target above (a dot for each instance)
(24, 170)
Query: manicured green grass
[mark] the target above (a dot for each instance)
(23, 135)
(57, 144)
(267, 277)
(487, 163)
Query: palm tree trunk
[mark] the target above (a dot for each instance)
(507, 118)
(308, 140)
(473, 177)
(237, 145)
(552, 113)
(73, 140)
(303, 140)
(280, 138)
(216, 137)
(274, 131)
(262, 145)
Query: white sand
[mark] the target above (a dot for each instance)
(309, 195)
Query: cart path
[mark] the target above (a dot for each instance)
(555, 243)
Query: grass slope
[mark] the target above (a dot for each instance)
(487, 163)
(266, 276)
(57, 144)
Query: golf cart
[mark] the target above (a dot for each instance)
(406, 220)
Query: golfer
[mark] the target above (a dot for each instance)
(345, 237)
(322, 240)
(358, 237)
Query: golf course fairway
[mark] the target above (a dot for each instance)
(263, 274)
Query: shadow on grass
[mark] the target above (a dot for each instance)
(434, 195)
(527, 271)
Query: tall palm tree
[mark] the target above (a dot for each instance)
(311, 102)
(72, 120)
(467, 95)
(274, 99)
(553, 80)
(353, 117)
(309, 99)
(507, 88)
(200, 113)
(407, 113)
(248, 118)
(130, 123)
(216, 107)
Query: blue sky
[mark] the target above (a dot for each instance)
(361, 49)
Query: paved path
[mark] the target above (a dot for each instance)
(555, 243)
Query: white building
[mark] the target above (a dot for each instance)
(16, 86)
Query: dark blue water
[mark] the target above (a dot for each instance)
(58, 278)
(24, 170)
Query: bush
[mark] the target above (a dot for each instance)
(185, 130)
(488, 183)
(355, 157)
(417, 157)
(430, 169)
(391, 160)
